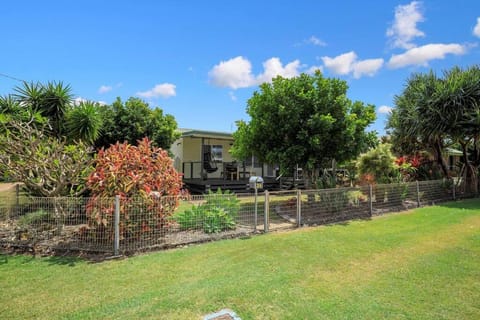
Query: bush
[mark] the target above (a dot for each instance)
(146, 182)
(378, 164)
(217, 214)
(36, 218)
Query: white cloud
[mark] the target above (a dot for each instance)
(164, 90)
(237, 72)
(104, 89)
(342, 64)
(234, 73)
(78, 100)
(312, 69)
(273, 67)
(348, 63)
(232, 96)
(384, 109)
(404, 28)
(422, 55)
(476, 29)
(316, 41)
(366, 67)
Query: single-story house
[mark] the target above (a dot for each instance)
(204, 159)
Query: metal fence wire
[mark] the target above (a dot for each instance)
(127, 225)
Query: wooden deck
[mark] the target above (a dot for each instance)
(198, 186)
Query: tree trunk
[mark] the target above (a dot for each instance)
(439, 158)
(470, 173)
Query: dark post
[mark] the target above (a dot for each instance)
(418, 194)
(370, 199)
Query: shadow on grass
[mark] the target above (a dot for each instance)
(62, 261)
(3, 258)
(345, 223)
(467, 204)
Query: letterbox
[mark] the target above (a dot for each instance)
(255, 182)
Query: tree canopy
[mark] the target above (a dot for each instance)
(307, 121)
(434, 112)
(133, 120)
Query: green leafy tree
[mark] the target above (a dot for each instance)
(133, 120)
(307, 121)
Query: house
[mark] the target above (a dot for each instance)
(204, 159)
(453, 158)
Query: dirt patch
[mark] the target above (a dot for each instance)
(6, 186)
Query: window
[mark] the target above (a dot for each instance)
(217, 153)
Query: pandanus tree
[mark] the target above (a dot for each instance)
(433, 112)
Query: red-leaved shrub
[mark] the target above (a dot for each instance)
(141, 176)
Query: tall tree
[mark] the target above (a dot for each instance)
(51, 100)
(416, 122)
(307, 121)
(133, 120)
(433, 112)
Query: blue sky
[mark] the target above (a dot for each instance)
(202, 60)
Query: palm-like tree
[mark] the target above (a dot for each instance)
(51, 101)
(435, 111)
(84, 122)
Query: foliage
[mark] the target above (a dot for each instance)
(139, 174)
(379, 164)
(52, 106)
(217, 214)
(47, 166)
(35, 218)
(433, 112)
(84, 121)
(327, 180)
(306, 121)
(356, 197)
(133, 120)
(51, 100)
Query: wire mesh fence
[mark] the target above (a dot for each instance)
(126, 225)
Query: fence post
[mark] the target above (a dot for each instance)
(299, 208)
(266, 212)
(370, 199)
(418, 194)
(17, 198)
(453, 189)
(116, 243)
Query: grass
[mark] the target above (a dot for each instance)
(423, 264)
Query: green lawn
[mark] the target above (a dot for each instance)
(424, 264)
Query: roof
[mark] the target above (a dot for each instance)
(453, 152)
(194, 133)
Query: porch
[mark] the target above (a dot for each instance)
(200, 186)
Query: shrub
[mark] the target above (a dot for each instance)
(142, 176)
(379, 164)
(35, 218)
(217, 214)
